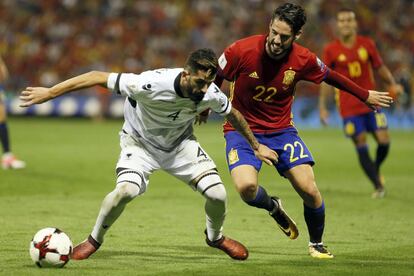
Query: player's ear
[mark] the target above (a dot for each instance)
(270, 25)
(298, 34)
(185, 73)
(185, 76)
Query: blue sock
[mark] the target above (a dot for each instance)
(368, 165)
(382, 152)
(262, 200)
(315, 220)
(4, 137)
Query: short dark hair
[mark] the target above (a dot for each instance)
(202, 59)
(345, 9)
(294, 15)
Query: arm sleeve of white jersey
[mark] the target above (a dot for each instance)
(125, 84)
(219, 102)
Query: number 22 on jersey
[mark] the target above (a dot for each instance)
(265, 94)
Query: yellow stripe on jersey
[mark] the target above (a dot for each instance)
(337, 98)
(231, 89)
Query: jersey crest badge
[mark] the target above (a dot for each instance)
(341, 58)
(350, 129)
(363, 54)
(254, 75)
(233, 156)
(288, 77)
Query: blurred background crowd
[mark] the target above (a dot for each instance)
(46, 41)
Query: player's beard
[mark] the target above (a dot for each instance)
(278, 53)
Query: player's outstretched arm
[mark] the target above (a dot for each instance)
(262, 152)
(377, 98)
(372, 98)
(38, 95)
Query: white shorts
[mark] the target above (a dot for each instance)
(186, 162)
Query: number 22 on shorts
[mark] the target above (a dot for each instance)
(296, 151)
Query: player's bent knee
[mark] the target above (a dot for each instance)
(130, 184)
(211, 186)
(247, 191)
(127, 191)
(217, 193)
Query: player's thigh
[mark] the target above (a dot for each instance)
(303, 181)
(360, 139)
(382, 136)
(188, 162)
(292, 151)
(240, 156)
(245, 177)
(378, 125)
(354, 125)
(355, 128)
(135, 163)
(242, 163)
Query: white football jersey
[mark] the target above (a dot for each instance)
(155, 113)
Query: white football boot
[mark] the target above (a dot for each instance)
(9, 161)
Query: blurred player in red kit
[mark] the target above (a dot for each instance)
(356, 57)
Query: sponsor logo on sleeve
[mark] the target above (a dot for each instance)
(222, 61)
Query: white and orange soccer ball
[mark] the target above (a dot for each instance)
(50, 247)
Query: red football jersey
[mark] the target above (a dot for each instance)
(355, 63)
(262, 88)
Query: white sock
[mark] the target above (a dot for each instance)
(215, 208)
(112, 206)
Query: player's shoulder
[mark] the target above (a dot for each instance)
(252, 40)
(302, 57)
(334, 44)
(160, 79)
(161, 74)
(300, 52)
(250, 43)
(365, 40)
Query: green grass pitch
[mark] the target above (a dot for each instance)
(71, 168)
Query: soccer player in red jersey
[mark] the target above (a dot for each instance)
(356, 56)
(8, 159)
(263, 71)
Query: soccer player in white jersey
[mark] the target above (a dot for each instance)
(159, 111)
